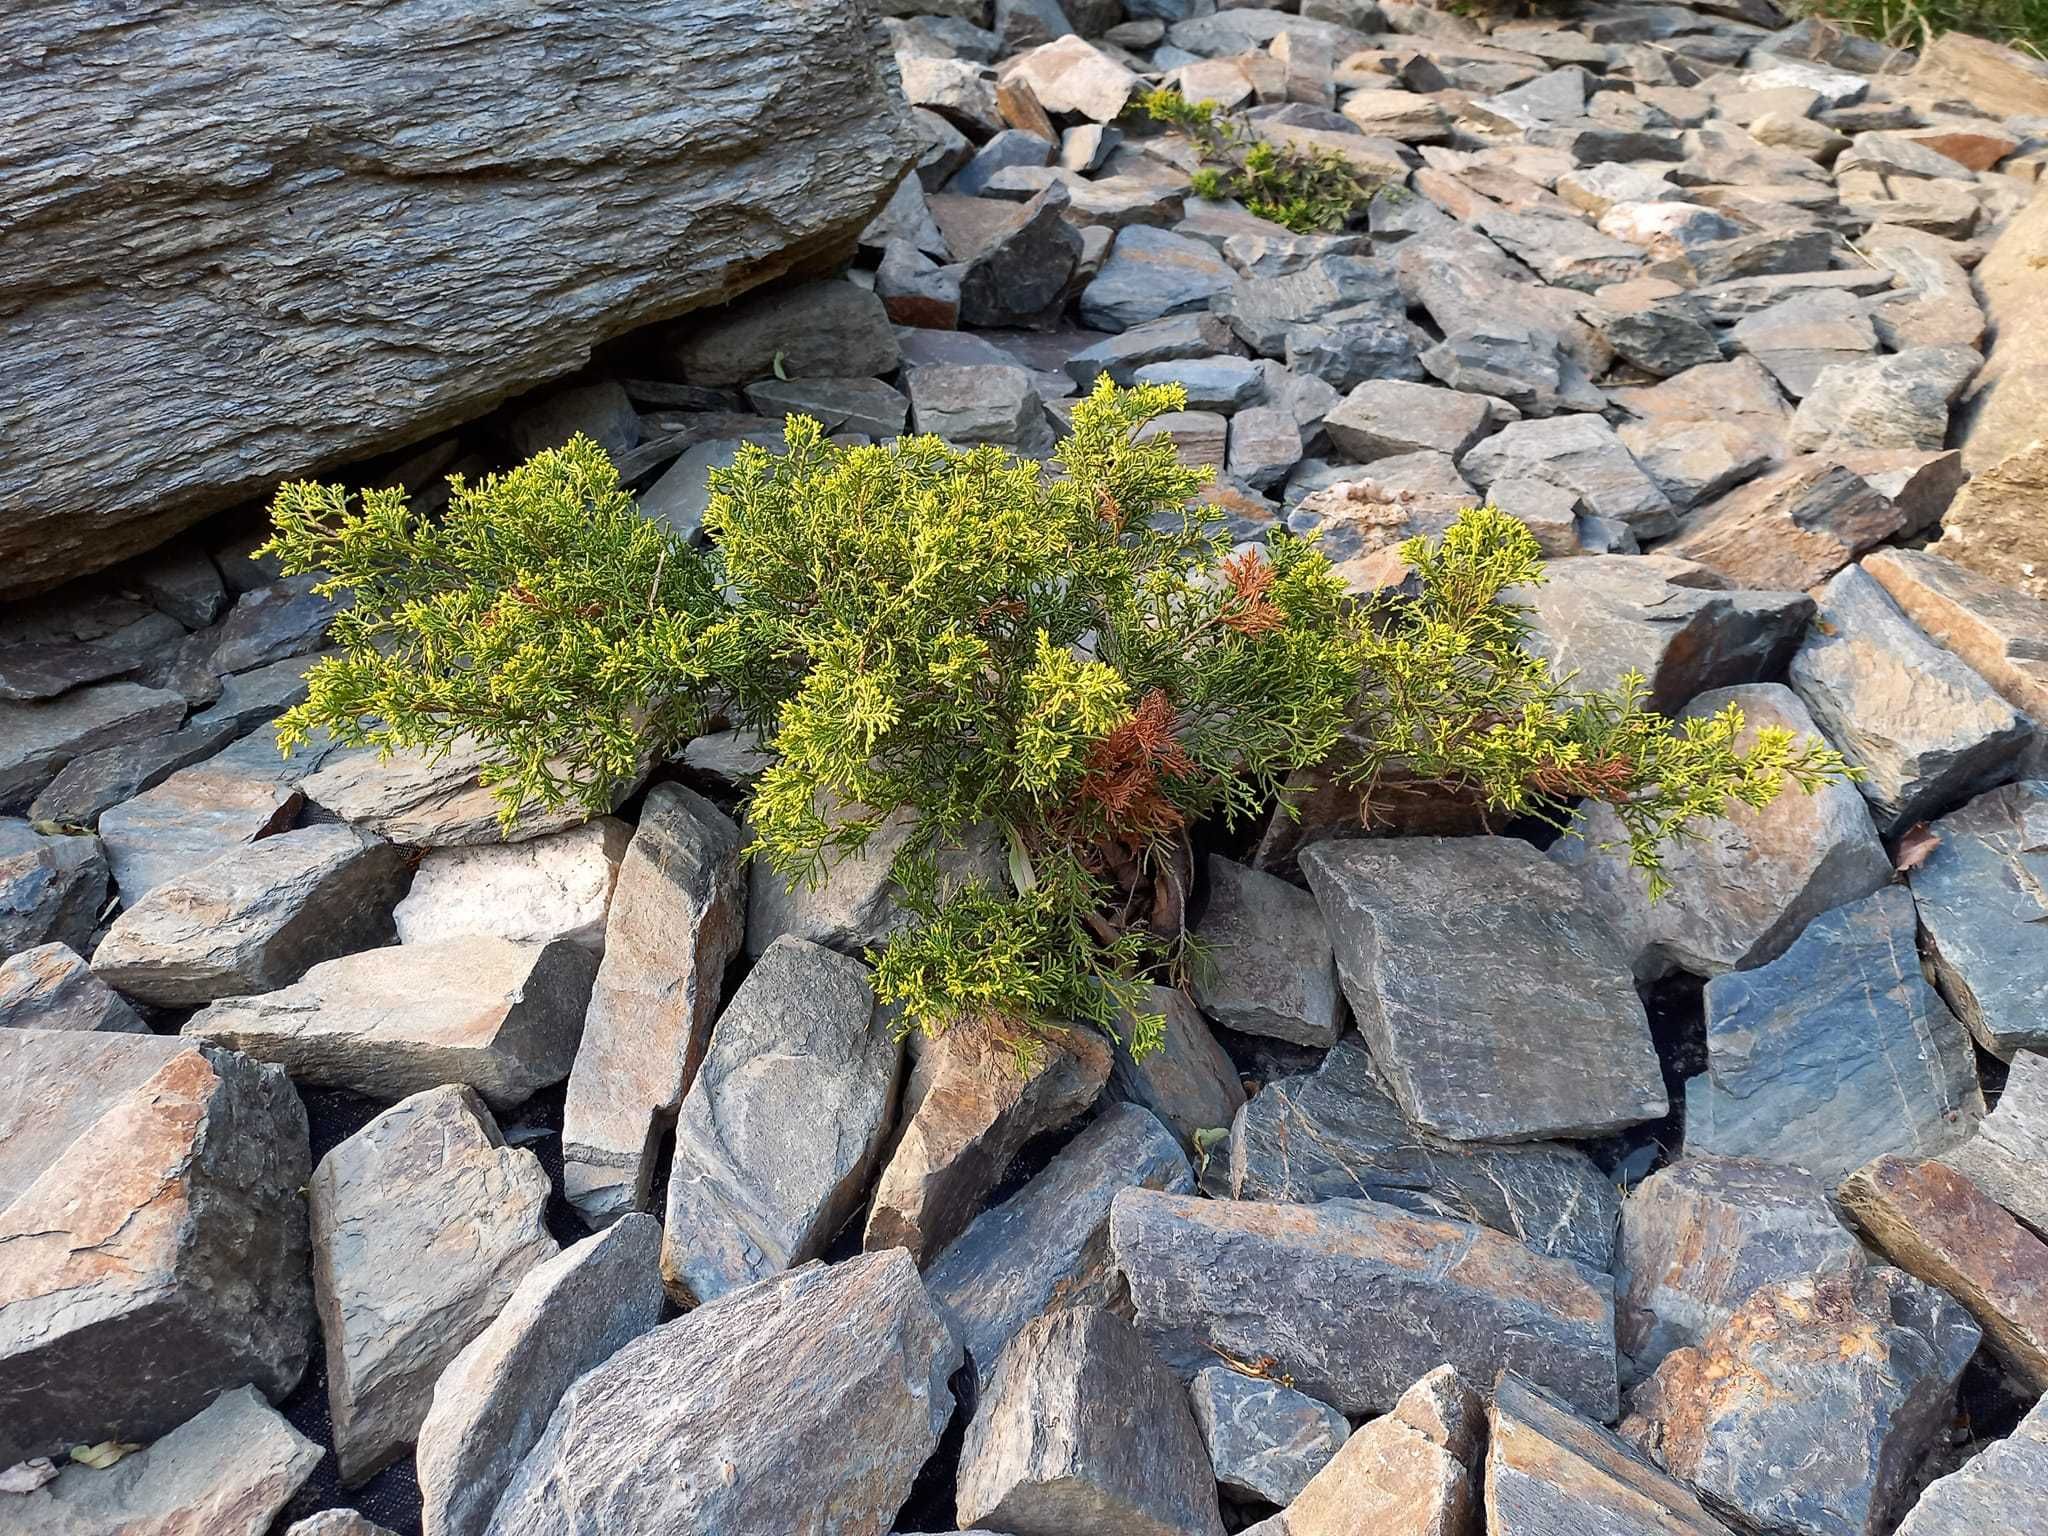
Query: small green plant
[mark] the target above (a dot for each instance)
(1309, 191)
(1078, 666)
(2022, 24)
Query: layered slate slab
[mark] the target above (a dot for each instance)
(2007, 1158)
(1496, 1006)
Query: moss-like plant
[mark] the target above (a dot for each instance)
(1076, 664)
(1309, 191)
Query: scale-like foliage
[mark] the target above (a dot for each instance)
(1077, 664)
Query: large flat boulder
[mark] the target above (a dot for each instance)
(198, 316)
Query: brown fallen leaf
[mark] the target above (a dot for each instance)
(1920, 841)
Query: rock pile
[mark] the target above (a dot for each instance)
(1439, 1212)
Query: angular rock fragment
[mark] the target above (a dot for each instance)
(1352, 1301)
(1581, 454)
(256, 918)
(1999, 631)
(502, 1018)
(1899, 401)
(1265, 1441)
(337, 1522)
(1791, 529)
(568, 1315)
(675, 922)
(2007, 1157)
(1188, 1082)
(1987, 528)
(547, 888)
(226, 1471)
(828, 1378)
(1699, 1236)
(1701, 460)
(1798, 337)
(2005, 1487)
(100, 780)
(287, 619)
(1335, 1133)
(52, 887)
(424, 1224)
(1857, 1369)
(1083, 1430)
(1747, 884)
(37, 740)
(1548, 1470)
(151, 1216)
(1384, 417)
(1927, 731)
(968, 1108)
(49, 987)
(1074, 78)
(778, 1134)
(1019, 273)
(817, 330)
(1424, 927)
(1979, 896)
(1271, 970)
(420, 802)
(1151, 274)
(1048, 1244)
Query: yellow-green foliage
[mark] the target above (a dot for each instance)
(1076, 664)
(1309, 191)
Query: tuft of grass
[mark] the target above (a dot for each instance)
(2021, 24)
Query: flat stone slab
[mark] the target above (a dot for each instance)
(502, 1018)
(2000, 631)
(548, 888)
(423, 801)
(1353, 1301)
(1266, 1441)
(1836, 1052)
(1048, 1244)
(424, 1224)
(1336, 1133)
(49, 987)
(1271, 970)
(2007, 1157)
(52, 887)
(1979, 895)
(823, 1378)
(1496, 1006)
(2004, 1488)
(780, 1131)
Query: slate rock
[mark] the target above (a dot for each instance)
(94, 783)
(226, 1471)
(842, 405)
(1212, 383)
(1188, 1082)
(1175, 338)
(1423, 926)
(777, 1136)
(419, 802)
(150, 1208)
(255, 919)
(1011, 147)
(681, 495)
(1083, 1431)
(1676, 623)
(1898, 401)
(1023, 271)
(424, 1224)
(1266, 1441)
(739, 1415)
(1071, 77)
(1790, 529)
(2007, 1156)
(337, 1522)
(547, 888)
(1921, 485)
(1265, 445)
(1271, 970)
(1857, 1369)
(1150, 275)
(1803, 334)
(675, 923)
(830, 329)
(1048, 1244)
(1698, 1236)
(2003, 1488)
(1939, 1227)
(1581, 454)
(277, 622)
(1926, 730)
(568, 1315)
(1414, 1471)
(598, 410)
(50, 987)
(989, 403)
(37, 740)
(1384, 417)
(1549, 1470)
(1999, 631)
(1987, 528)
(1264, 311)
(1352, 1301)
(1748, 882)
(501, 1018)
(52, 887)
(1335, 1133)
(1350, 347)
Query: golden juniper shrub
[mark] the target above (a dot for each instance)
(1077, 665)
(1309, 191)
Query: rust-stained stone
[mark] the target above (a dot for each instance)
(50, 987)
(1998, 629)
(1808, 1410)
(1353, 1301)
(1935, 1224)
(1790, 530)
(1550, 1472)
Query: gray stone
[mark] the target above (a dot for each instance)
(1385, 417)
(99, 780)
(1979, 901)
(1900, 401)
(1351, 1301)
(34, 670)
(1521, 364)
(568, 1315)
(916, 290)
(1151, 274)
(1020, 276)
(679, 498)
(1265, 311)
(1013, 146)
(956, 89)
(1265, 1441)
(1083, 1431)
(256, 918)
(2007, 1155)
(598, 410)
(975, 1096)
(1212, 383)
(424, 1224)
(1673, 622)
(151, 1211)
(227, 1471)
(337, 1522)
(1562, 249)
(51, 887)
(2003, 1488)
(1581, 454)
(840, 405)
(1857, 1369)
(1798, 337)
(1348, 348)
(1699, 1236)
(1737, 391)
(828, 329)
(1270, 967)
(1550, 1471)
(1700, 460)
(984, 403)
(547, 888)
(1265, 445)
(1173, 339)
(1074, 78)
(499, 1017)
(37, 740)
(1188, 1081)
(1836, 1052)
(1336, 1133)
(423, 802)
(1927, 731)
(50, 987)
(826, 1378)
(1998, 630)
(182, 582)
(674, 925)
(780, 1131)
(274, 623)
(1791, 529)
(1198, 437)
(1424, 928)
(1748, 881)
